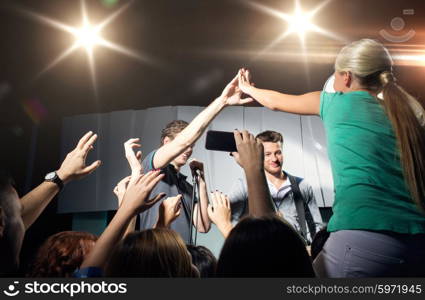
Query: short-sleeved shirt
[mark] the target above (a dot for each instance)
(284, 202)
(172, 184)
(370, 192)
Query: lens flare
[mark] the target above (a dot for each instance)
(299, 22)
(87, 36)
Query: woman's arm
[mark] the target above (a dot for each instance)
(169, 210)
(135, 201)
(219, 212)
(306, 104)
(251, 158)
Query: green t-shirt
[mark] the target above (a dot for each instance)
(370, 192)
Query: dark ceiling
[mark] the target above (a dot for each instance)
(192, 47)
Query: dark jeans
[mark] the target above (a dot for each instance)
(360, 253)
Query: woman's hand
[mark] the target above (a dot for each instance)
(138, 192)
(250, 155)
(232, 93)
(133, 158)
(219, 212)
(244, 81)
(120, 188)
(169, 210)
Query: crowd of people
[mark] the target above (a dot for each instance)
(270, 221)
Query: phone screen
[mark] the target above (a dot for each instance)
(220, 141)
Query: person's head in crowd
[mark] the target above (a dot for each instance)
(158, 252)
(264, 247)
(20, 214)
(204, 260)
(273, 158)
(14, 229)
(319, 241)
(168, 134)
(61, 254)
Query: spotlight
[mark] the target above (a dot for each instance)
(88, 36)
(300, 22)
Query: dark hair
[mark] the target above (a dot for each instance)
(264, 247)
(270, 136)
(158, 252)
(61, 254)
(172, 129)
(204, 260)
(319, 241)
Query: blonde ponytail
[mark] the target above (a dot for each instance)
(386, 77)
(410, 139)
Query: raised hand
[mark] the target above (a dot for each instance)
(120, 188)
(244, 81)
(74, 165)
(235, 156)
(169, 210)
(232, 93)
(219, 212)
(138, 192)
(250, 155)
(251, 159)
(133, 158)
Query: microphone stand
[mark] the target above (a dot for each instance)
(199, 209)
(192, 205)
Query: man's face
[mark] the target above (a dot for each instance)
(273, 157)
(182, 159)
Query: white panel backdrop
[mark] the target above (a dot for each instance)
(304, 152)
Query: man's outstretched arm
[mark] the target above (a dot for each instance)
(231, 95)
(73, 167)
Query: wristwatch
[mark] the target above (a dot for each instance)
(53, 177)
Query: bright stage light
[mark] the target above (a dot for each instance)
(88, 37)
(299, 22)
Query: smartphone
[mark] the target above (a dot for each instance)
(220, 141)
